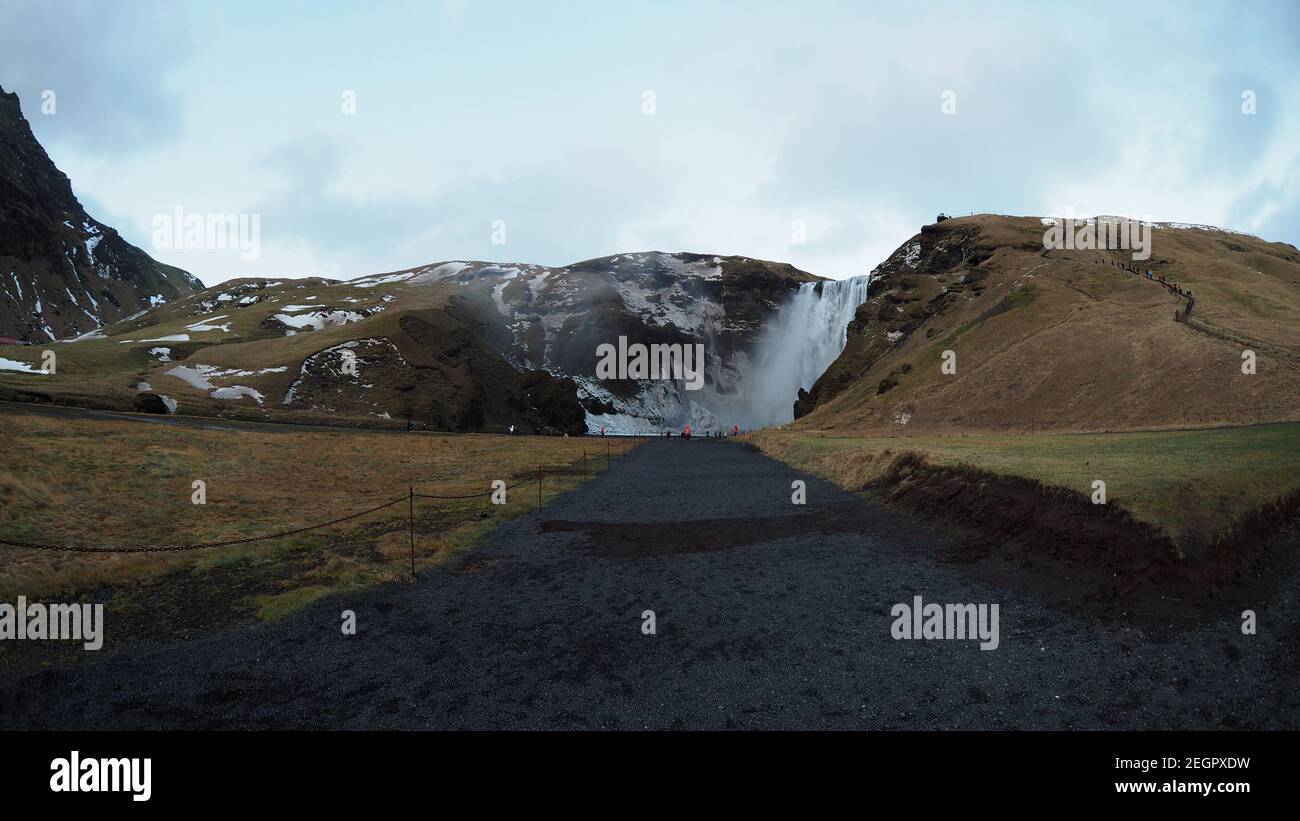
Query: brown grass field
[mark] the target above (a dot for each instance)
(111, 484)
(1187, 483)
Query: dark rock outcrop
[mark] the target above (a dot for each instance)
(902, 296)
(62, 272)
(150, 403)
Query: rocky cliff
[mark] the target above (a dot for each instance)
(62, 272)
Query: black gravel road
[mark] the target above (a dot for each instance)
(768, 615)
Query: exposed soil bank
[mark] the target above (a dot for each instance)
(1021, 531)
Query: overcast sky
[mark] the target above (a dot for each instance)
(767, 119)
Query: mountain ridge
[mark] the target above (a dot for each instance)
(478, 345)
(461, 345)
(62, 272)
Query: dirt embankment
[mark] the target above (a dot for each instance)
(1016, 530)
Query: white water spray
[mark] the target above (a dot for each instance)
(801, 343)
(797, 346)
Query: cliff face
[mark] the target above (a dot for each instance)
(906, 291)
(62, 272)
(555, 319)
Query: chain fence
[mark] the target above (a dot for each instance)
(409, 497)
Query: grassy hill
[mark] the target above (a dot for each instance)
(265, 349)
(1072, 369)
(1065, 340)
(452, 346)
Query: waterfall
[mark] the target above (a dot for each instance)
(755, 389)
(799, 343)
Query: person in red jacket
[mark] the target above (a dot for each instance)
(686, 432)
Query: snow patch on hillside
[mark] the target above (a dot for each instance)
(236, 392)
(436, 273)
(23, 367)
(385, 279)
(195, 377)
(210, 325)
(318, 320)
(202, 376)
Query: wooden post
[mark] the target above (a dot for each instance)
(411, 519)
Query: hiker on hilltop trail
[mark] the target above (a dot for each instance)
(602, 430)
(686, 433)
(735, 430)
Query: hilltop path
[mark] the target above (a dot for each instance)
(769, 615)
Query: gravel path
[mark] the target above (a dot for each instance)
(768, 615)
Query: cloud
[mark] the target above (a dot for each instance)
(109, 65)
(543, 212)
(828, 115)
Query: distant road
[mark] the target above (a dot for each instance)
(767, 615)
